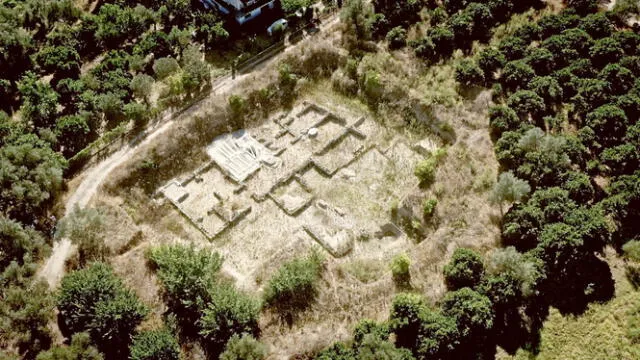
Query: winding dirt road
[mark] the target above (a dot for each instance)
(54, 268)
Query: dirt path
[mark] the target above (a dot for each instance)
(54, 267)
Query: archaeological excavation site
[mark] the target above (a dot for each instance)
(312, 176)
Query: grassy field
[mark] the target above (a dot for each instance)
(600, 333)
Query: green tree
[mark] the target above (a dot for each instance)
(155, 345)
(60, 60)
(517, 75)
(597, 25)
(583, 6)
(472, 312)
(621, 79)
(548, 89)
(400, 268)
(513, 48)
(397, 38)
(196, 74)
(228, 313)
(465, 269)
(186, 275)
(244, 347)
(526, 103)
(39, 101)
(439, 337)
(606, 51)
(73, 133)
(291, 6)
(295, 286)
(468, 73)
(95, 300)
(405, 319)
(25, 313)
(31, 177)
(491, 60)
(502, 118)
(19, 244)
(117, 24)
(609, 122)
(579, 186)
(142, 85)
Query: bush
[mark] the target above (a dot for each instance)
(155, 345)
(343, 84)
(465, 269)
(426, 171)
(237, 108)
(400, 268)
(244, 348)
(294, 286)
(429, 208)
(164, 67)
(631, 251)
(397, 38)
(79, 349)
(468, 73)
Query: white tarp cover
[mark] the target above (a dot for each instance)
(238, 154)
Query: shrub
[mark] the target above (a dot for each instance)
(465, 269)
(372, 88)
(429, 208)
(397, 38)
(294, 286)
(344, 84)
(164, 67)
(155, 345)
(631, 250)
(244, 348)
(468, 73)
(141, 85)
(80, 349)
(368, 327)
(400, 268)
(426, 171)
